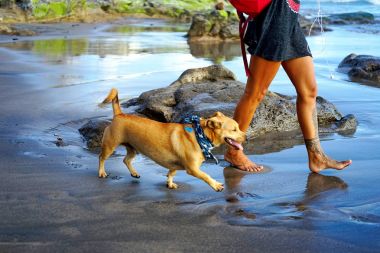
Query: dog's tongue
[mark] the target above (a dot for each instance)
(235, 144)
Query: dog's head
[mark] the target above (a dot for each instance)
(222, 129)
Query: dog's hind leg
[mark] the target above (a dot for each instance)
(106, 152)
(131, 153)
(170, 183)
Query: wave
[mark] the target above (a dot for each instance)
(375, 2)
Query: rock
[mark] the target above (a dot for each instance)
(222, 25)
(362, 68)
(309, 27)
(359, 17)
(203, 91)
(59, 142)
(219, 6)
(199, 27)
(5, 29)
(92, 132)
(217, 25)
(206, 90)
(14, 31)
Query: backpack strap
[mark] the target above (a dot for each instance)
(243, 23)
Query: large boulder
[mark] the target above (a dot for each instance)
(203, 91)
(362, 68)
(359, 17)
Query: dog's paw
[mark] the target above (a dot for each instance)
(218, 187)
(102, 174)
(135, 175)
(172, 186)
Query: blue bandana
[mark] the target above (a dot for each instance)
(203, 141)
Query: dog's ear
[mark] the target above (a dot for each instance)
(218, 114)
(213, 124)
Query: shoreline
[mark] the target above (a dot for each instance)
(52, 200)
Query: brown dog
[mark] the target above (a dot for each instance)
(168, 144)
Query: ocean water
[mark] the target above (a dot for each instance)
(340, 6)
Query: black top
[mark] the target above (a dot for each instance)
(276, 34)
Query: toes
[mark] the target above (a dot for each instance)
(219, 187)
(103, 175)
(135, 175)
(346, 163)
(252, 168)
(172, 186)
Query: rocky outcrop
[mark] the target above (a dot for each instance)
(359, 17)
(92, 132)
(362, 68)
(7, 30)
(204, 91)
(309, 27)
(223, 25)
(217, 25)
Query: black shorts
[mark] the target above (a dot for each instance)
(276, 34)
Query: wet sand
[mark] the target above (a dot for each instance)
(52, 201)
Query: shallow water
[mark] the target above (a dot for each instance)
(67, 78)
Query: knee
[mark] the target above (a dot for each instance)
(308, 95)
(254, 97)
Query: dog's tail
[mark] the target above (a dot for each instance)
(114, 98)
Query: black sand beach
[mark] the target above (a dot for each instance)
(51, 198)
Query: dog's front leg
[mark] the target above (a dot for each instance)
(196, 172)
(170, 183)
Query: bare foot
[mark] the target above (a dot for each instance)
(319, 162)
(240, 161)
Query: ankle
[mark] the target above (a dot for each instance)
(232, 152)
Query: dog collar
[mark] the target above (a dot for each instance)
(203, 141)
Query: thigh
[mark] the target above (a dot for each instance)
(262, 73)
(301, 73)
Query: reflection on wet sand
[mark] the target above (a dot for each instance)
(256, 210)
(318, 183)
(60, 49)
(217, 52)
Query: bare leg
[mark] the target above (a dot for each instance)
(170, 183)
(301, 73)
(262, 74)
(131, 153)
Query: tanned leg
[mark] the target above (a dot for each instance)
(262, 74)
(301, 73)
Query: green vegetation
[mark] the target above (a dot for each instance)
(169, 8)
(178, 9)
(56, 9)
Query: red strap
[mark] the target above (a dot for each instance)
(242, 27)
